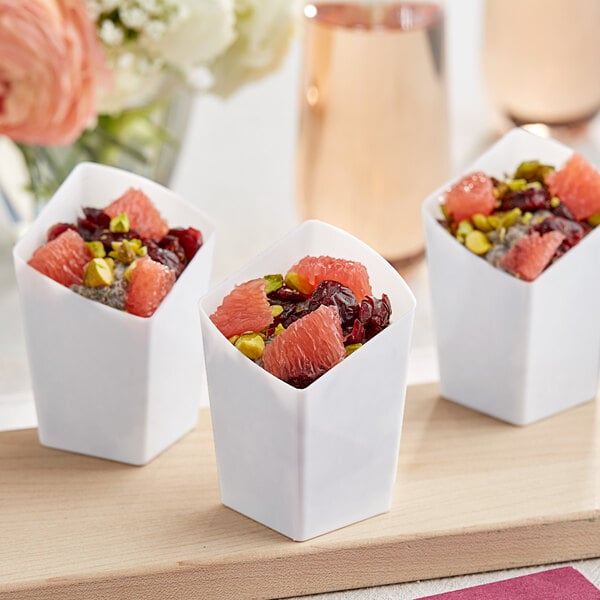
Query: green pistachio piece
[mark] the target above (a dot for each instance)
(478, 243)
(516, 185)
(127, 272)
(533, 184)
(350, 348)
(511, 217)
(276, 310)
(555, 201)
(119, 224)
(502, 233)
(500, 189)
(278, 329)
(494, 221)
(445, 212)
(251, 345)
(532, 170)
(464, 228)
(234, 338)
(297, 283)
(274, 282)
(594, 220)
(96, 249)
(123, 251)
(97, 273)
(526, 218)
(481, 222)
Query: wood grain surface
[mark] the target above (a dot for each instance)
(473, 494)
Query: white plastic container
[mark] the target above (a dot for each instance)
(514, 350)
(107, 383)
(305, 462)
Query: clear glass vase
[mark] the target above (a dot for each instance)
(144, 140)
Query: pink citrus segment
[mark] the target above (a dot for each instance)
(473, 194)
(142, 214)
(150, 283)
(63, 258)
(577, 185)
(531, 254)
(244, 309)
(311, 270)
(308, 348)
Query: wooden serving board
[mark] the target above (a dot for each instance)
(473, 494)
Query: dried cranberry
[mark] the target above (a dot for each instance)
(96, 216)
(573, 231)
(357, 334)
(332, 293)
(297, 314)
(163, 256)
(530, 199)
(190, 240)
(287, 294)
(375, 314)
(171, 243)
(106, 236)
(301, 381)
(562, 211)
(57, 229)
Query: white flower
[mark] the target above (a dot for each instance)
(110, 34)
(263, 28)
(133, 17)
(204, 32)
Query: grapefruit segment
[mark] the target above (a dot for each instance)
(307, 348)
(63, 258)
(473, 194)
(142, 214)
(150, 283)
(312, 270)
(531, 254)
(244, 309)
(577, 185)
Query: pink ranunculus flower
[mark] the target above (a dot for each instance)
(51, 64)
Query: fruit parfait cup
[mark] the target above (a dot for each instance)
(108, 382)
(307, 433)
(513, 262)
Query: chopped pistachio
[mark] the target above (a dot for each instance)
(127, 272)
(119, 224)
(533, 184)
(444, 212)
(350, 348)
(124, 251)
(494, 221)
(481, 222)
(276, 309)
(532, 170)
(97, 273)
(96, 249)
(278, 329)
(478, 243)
(554, 201)
(234, 338)
(251, 345)
(594, 220)
(274, 282)
(526, 218)
(516, 185)
(511, 217)
(298, 283)
(502, 233)
(110, 262)
(464, 228)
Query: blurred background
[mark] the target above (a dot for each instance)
(238, 160)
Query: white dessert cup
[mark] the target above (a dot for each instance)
(307, 461)
(108, 383)
(519, 351)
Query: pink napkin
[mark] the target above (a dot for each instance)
(556, 584)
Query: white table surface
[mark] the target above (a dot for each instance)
(237, 164)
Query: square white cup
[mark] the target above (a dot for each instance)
(519, 351)
(108, 383)
(308, 461)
